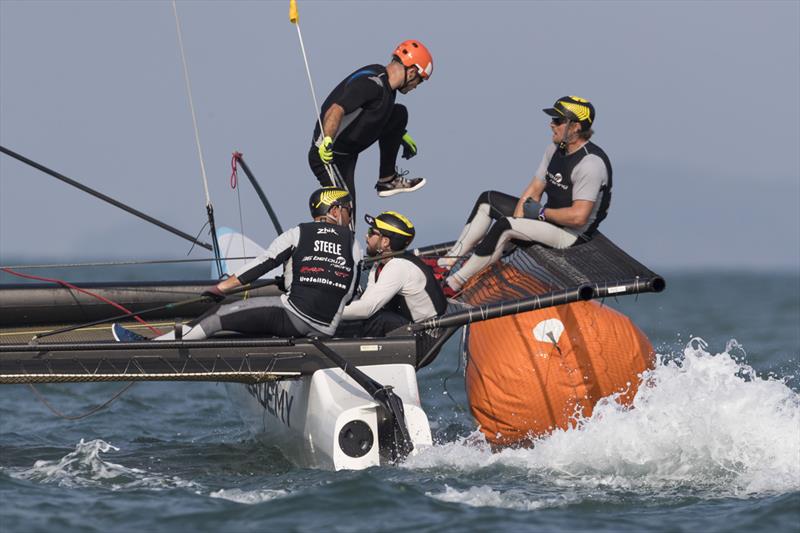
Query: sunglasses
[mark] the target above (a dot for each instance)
(372, 231)
(558, 120)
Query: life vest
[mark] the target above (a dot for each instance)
(322, 271)
(433, 289)
(559, 181)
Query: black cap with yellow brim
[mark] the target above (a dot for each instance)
(573, 108)
(397, 227)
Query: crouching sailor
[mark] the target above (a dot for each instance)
(401, 288)
(320, 259)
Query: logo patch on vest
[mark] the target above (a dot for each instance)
(556, 180)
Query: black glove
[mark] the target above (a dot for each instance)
(213, 294)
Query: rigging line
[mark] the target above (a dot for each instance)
(235, 185)
(103, 197)
(209, 206)
(295, 19)
(84, 291)
(461, 347)
(122, 263)
(191, 102)
(90, 412)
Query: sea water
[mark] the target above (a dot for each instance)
(712, 443)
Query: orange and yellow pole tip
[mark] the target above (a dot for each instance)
(293, 11)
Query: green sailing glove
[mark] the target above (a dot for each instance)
(326, 150)
(409, 146)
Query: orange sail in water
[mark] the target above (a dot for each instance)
(530, 373)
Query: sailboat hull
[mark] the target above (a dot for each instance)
(326, 420)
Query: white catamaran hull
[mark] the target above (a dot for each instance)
(326, 420)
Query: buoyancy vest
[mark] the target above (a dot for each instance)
(322, 271)
(433, 289)
(559, 181)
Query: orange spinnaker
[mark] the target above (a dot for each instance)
(529, 374)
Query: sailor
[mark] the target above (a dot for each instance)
(320, 261)
(575, 174)
(362, 110)
(401, 288)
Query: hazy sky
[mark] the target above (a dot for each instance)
(698, 106)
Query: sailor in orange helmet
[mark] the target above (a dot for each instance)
(575, 174)
(362, 110)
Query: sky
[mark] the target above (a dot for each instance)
(698, 107)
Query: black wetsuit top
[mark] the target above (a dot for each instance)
(367, 101)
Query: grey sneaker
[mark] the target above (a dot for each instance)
(399, 184)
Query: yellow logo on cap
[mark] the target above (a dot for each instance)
(581, 111)
(330, 196)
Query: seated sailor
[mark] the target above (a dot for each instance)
(320, 259)
(576, 176)
(401, 288)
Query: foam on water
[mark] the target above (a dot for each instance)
(703, 423)
(85, 468)
(484, 496)
(249, 496)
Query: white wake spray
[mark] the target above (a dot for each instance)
(702, 424)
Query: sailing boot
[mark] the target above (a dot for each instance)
(125, 335)
(398, 183)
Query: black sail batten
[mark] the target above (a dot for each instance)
(105, 198)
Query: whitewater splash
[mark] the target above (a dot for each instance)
(704, 424)
(84, 467)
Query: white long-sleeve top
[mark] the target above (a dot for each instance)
(398, 277)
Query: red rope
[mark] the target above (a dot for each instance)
(235, 169)
(84, 291)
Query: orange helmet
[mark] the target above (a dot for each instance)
(413, 53)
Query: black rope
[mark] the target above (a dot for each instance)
(197, 237)
(86, 414)
(456, 371)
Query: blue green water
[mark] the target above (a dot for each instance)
(713, 444)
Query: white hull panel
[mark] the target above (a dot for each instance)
(305, 416)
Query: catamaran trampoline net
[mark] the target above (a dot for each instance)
(535, 270)
(529, 271)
